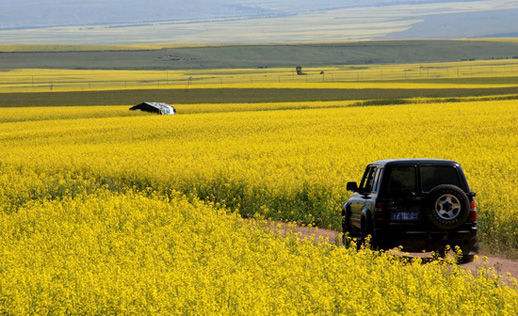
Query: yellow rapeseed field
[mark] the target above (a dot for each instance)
(288, 165)
(132, 254)
(404, 76)
(107, 211)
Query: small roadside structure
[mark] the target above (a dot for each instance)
(155, 107)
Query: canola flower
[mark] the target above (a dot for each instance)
(281, 165)
(405, 76)
(104, 211)
(133, 253)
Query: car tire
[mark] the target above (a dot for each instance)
(347, 232)
(448, 207)
(361, 236)
(365, 231)
(466, 256)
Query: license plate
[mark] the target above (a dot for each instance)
(404, 216)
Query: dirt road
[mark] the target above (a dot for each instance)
(502, 266)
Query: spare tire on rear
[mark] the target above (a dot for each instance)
(448, 206)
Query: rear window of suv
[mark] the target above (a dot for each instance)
(401, 181)
(432, 176)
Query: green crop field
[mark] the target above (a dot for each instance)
(382, 52)
(236, 95)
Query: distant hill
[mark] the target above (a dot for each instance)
(498, 23)
(514, 34)
(45, 13)
(224, 22)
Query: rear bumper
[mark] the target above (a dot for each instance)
(429, 240)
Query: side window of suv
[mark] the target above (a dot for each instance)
(432, 176)
(377, 180)
(369, 181)
(401, 180)
(365, 177)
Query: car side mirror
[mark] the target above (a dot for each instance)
(352, 186)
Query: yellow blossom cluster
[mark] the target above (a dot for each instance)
(107, 211)
(109, 253)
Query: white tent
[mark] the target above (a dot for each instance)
(155, 107)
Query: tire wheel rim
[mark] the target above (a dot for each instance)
(447, 207)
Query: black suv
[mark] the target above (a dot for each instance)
(419, 204)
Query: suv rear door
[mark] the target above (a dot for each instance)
(401, 194)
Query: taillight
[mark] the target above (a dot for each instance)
(380, 206)
(473, 215)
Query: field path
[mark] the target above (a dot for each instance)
(502, 266)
